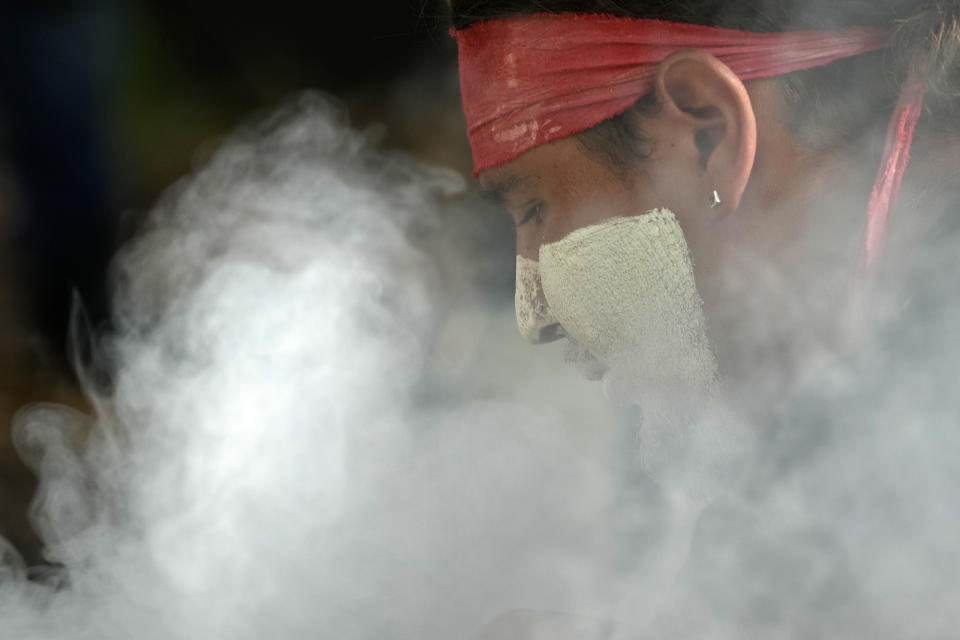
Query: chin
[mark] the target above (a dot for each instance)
(580, 358)
(690, 441)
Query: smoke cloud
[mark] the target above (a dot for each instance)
(321, 422)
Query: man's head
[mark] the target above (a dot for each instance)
(768, 178)
(771, 149)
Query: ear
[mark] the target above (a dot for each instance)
(714, 108)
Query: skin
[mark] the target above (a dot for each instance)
(575, 188)
(774, 262)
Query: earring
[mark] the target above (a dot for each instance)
(715, 199)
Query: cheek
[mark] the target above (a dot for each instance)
(586, 207)
(690, 202)
(564, 221)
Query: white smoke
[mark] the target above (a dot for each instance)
(318, 427)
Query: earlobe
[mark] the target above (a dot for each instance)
(715, 108)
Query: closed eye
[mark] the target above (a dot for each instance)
(533, 212)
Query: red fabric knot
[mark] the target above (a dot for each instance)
(896, 156)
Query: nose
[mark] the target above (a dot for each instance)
(528, 242)
(534, 320)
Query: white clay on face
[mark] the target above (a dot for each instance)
(624, 289)
(533, 315)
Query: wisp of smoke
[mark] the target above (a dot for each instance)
(320, 425)
(317, 426)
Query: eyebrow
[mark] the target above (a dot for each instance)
(498, 190)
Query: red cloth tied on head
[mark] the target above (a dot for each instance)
(528, 80)
(532, 79)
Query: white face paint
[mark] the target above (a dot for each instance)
(533, 317)
(624, 292)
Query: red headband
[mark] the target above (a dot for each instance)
(532, 79)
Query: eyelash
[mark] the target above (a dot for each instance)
(532, 212)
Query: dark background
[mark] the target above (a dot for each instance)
(105, 103)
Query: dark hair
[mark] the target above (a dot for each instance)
(830, 106)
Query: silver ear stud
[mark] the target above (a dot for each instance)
(715, 199)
